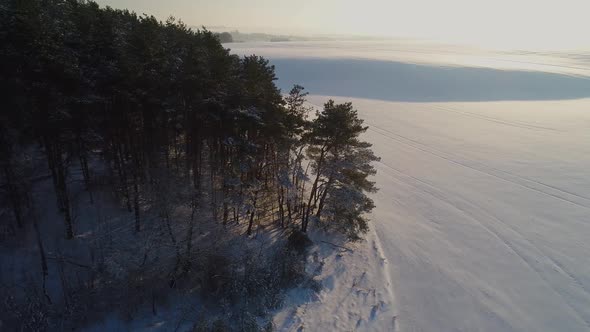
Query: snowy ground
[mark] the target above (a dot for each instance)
(356, 292)
(483, 213)
(483, 217)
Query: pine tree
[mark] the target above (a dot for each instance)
(342, 164)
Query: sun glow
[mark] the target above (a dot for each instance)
(538, 24)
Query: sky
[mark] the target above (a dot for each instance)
(544, 24)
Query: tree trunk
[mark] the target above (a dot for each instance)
(44, 269)
(120, 165)
(136, 201)
(252, 213)
(14, 195)
(281, 207)
(189, 237)
(54, 155)
(172, 238)
(307, 211)
(324, 194)
(83, 156)
(225, 212)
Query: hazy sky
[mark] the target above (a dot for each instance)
(506, 23)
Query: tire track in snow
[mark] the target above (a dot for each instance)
(557, 265)
(439, 195)
(478, 163)
(502, 171)
(518, 124)
(486, 167)
(510, 178)
(425, 147)
(422, 147)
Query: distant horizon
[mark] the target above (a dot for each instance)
(501, 24)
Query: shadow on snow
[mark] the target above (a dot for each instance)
(397, 81)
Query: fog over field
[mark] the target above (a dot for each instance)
(484, 198)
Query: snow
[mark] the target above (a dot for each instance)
(176, 317)
(411, 51)
(483, 212)
(483, 215)
(356, 289)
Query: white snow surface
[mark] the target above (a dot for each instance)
(483, 215)
(356, 292)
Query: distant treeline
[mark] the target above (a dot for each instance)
(82, 83)
(237, 36)
(225, 37)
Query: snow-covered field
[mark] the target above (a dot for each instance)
(483, 213)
